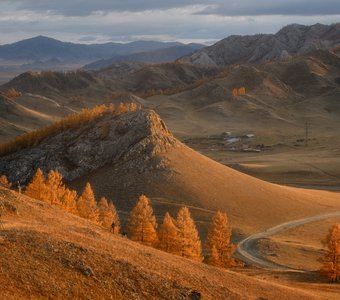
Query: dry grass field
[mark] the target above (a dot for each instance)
(47, 253)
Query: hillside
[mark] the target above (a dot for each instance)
(89, 262)
(139, 155)
(279, 95)
(48, 96)
(289, 41)
(197, 104)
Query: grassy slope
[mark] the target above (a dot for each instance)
(45, 253)
(204, 185)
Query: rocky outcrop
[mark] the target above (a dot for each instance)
(133, 139)
(291, 40)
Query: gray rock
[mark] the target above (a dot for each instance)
(130, 139)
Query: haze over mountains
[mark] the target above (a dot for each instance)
(155, 56)
(43, 53)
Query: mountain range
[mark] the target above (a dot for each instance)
(44, 53)
(291, 40)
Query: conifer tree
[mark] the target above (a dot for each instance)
(331, 261)
(68, 201)
(142, 223)
(115, 218)
(87, 206)
(189, 241)
(214, 258)
(168, 236)
(105, 215)
(55, 188)
(37, 188)
(219, 238)
(108, 215)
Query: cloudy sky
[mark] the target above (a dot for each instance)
(89, 21)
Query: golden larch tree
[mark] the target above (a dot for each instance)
(69, 201)
(115, 218)
(142, 223)
(235, 92)
(241, 91)
(189, 241)
(105, 215)
(214, 258)
(218, 240)
(37, 187)
(87, 205)
(331, 261)
(168, 238)
(55, 188)
(108, 215)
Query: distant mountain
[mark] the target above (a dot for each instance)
(42, 48)
(155, 56)
(289, 41)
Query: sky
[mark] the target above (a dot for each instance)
(99, 21)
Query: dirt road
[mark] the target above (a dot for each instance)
(247, 250)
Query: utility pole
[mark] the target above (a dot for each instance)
(306, 134)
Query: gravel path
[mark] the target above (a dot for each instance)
(247, 249)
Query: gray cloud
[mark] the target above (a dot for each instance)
(187, 20)
(219, 7)
(87, 7)
(274, 7)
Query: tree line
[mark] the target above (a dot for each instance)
(176, 236)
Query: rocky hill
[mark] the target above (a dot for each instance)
(289, 41)
(133, 153)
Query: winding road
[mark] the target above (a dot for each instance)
(246, 249)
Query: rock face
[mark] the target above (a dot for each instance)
(133, 139)
(291, 40)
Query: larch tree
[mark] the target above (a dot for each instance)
(37, 187)
(87, 206)
(55, 188)
(108, 215)
(218, 241)
(168, 237)
(105, 215)
(331, 261)
(69, 201)
(214, 258)
(142, 223)
(189, 241)
(115, 218)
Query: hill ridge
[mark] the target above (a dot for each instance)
(289, 41)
